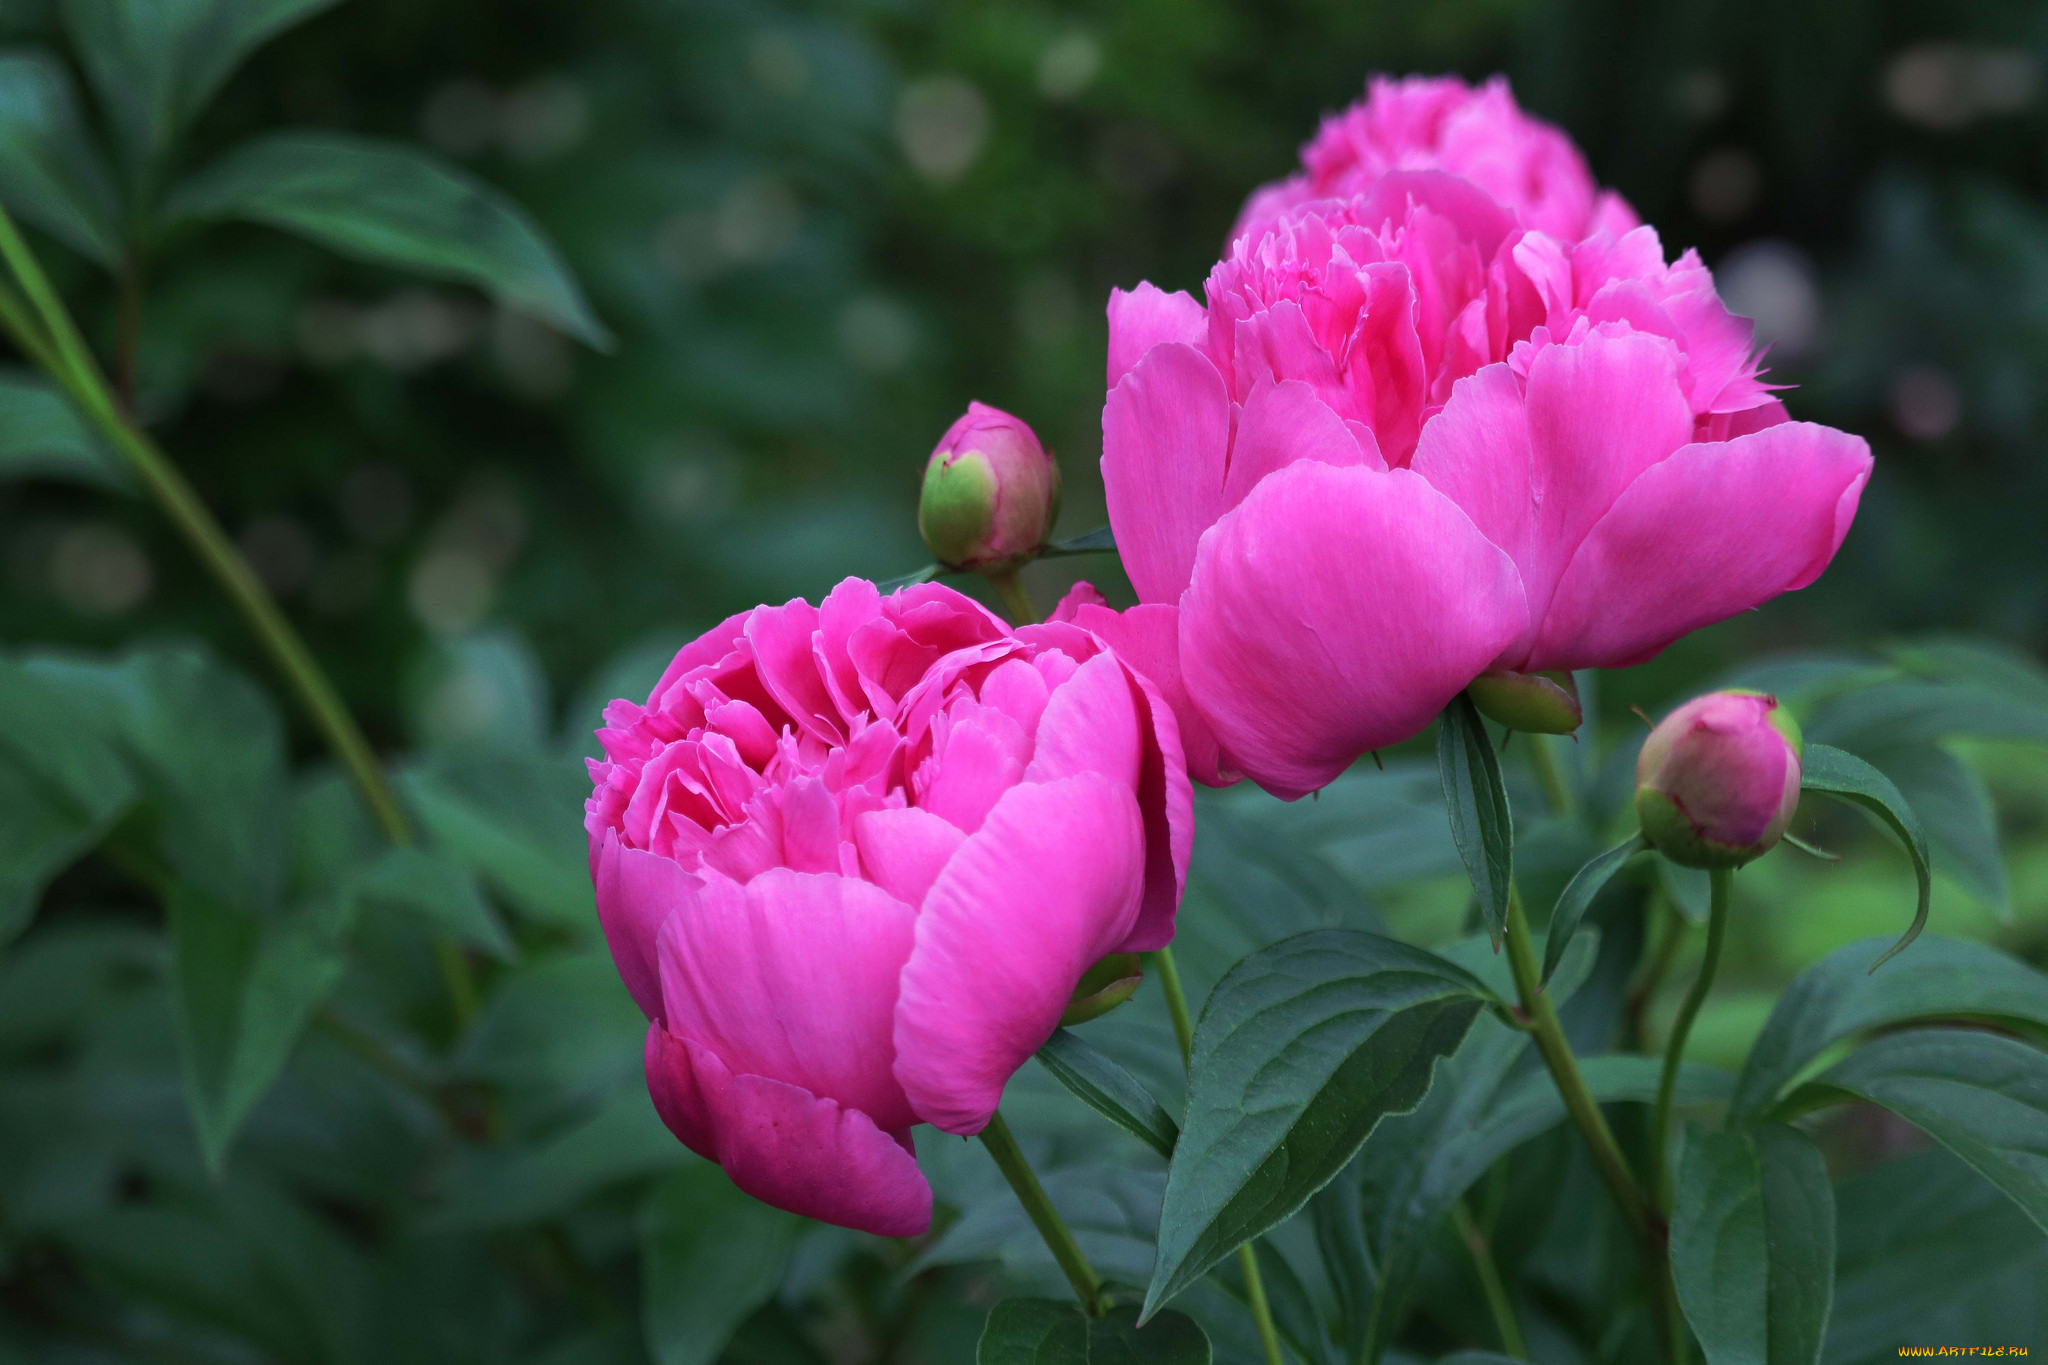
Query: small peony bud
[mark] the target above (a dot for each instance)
(991, 493)
(1718, 781)
(1540, 703)
(1103, 987)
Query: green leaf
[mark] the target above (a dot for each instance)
(1482, 1108)
(1931, 1253)
(1982, 1095)
(1837, 998)
(1688, 889)
(394, 205)
(1101, 540)
(1109, 1090)
(155, 63)
(42, 435)
(1911, 711)
(509, 1186)
(1478, 805)
(51, 173)
(1048, 1332)
(244, 989)
(61, 788)
(1848, 778)
(1955, 808)
(1302, 1048)
(1753, 1244)
(440, 895)
(911, 579)
(516, 820)
(710, 1256)
(1578, 895)
(558, 1036)
(1338, 1214)
(1113, 1212)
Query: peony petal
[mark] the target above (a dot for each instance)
(1147, 637)
(1166, 801)
(1148, 316)
(1090, 725)
(786, 660)
(1714, 530)
(786, 1146)
(1335, 611)
(1283, 423)
(905, 849)
(793, 977)
(1048, 885)
(636, 893)
(1165, 437)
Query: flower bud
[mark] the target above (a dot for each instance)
(1540, 703)
(991, 493)
(1718, 781)
(1103, 987)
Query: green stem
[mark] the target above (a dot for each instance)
(1009, 1158)
(1490, 1282)
(1556, 790)
(1247, 1257)
(62, 354)
(1674, 1048)
(1643, 1220)
(1011, 589)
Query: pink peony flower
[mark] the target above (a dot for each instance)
(1408, 441)
(852, 861)
(1527, 166)
(1717, 782)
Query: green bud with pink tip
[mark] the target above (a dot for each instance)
(1718, 780)
(991, 493)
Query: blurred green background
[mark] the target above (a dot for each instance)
(817, 231)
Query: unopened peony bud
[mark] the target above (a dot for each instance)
(1540, 703)
(991, 493)
(1718, 781)
(1103, 987)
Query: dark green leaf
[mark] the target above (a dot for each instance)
(506, 1186)
(50, 171)
(515, 820)
(1478, 805)
(1578, 895)
(440, 895)
(1753, 1244)
(155, 63)
(1955, 809)
(394, 205)
(1302, 1048)
(710, 1255)
(1837, 998)
(42, 435)
(1687, 888)
(1338, 1213)
(1101, 540)
(1112, 1210)
(1984, 664)
(1911, 711)
(911, 579)
(1048, 1332)
(1109, 1090)
(1982, 1095)
(1481, 1109)
(559, 1035)
(61, 787)
(1848, 778)
(1929, 1252)
(245, 988)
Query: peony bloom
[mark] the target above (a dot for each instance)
(1527, 166)
(852, 861)
(991, 493)
(1408, 441)
(1718, 781)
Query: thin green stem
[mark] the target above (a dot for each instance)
(1176, 1002)
(1564, 1069)
(1643, 1220)
(1010, 588)
(58, 349)
(1009, 1159)
(1490, 1282)
(67, 361)
(1247, 1257)
(1556, 790)
(1719, 880)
